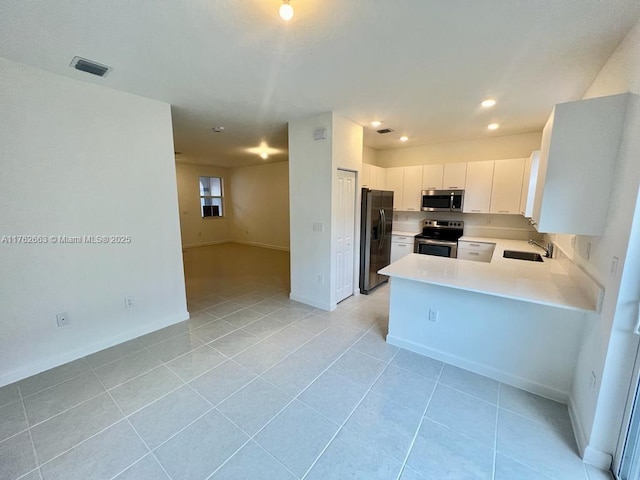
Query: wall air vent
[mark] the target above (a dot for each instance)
(89, 66)
(385, 130)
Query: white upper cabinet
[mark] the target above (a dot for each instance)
(454, 176)
(380, 175)
(579, 147)
(477, 194)
(432, 177)
(395, 183)
(507, 185)
(365, 175)
(412, 188)
(529, 181)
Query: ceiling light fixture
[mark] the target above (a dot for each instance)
(264, 155)
(376, 123)
(218, 129)
(286, 11)
(493, 126)
(489, 102)
(404, 138)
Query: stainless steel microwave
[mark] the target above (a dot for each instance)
(442, 200)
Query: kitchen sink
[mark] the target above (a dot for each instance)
(530, 256)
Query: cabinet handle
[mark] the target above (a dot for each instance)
(503, 211)
(477, 211)
(452, 188)
(473, 253)
(474, 244)
(412, 209)
(401, 246)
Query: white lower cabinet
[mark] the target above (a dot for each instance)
(476, 251)
(401, 245)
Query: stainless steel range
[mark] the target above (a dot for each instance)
(439, 237)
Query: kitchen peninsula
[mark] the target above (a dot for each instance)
(516, 321)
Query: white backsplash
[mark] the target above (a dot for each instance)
(513, 227)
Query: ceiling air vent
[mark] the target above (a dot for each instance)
(385, 130)
(89, 66)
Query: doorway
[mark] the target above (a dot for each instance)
(345, 222)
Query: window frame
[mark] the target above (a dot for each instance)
(203, 197)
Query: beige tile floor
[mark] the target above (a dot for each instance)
(256, 386)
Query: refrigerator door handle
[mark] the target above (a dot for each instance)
(382, 229)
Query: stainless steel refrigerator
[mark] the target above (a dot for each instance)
(375, 237)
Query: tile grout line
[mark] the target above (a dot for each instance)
(133, 428)
(33, 445)
(424, 415)
(495, 433)
(341, 426)
(286, 405)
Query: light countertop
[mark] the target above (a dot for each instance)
(547, 282)
(404, 234)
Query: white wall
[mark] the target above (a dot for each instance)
(369, 155)
(195, 230)
(347, 155)
(81, 159)
(490, 148)
(313, 166)
(260, 205)
(609, 347)
(310, 176)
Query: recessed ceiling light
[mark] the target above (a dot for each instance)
(376, 123)
(219, 129)
(489, 102)
(404, 138)
(493, 126)
(264, 155)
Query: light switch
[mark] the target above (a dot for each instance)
(318, 227)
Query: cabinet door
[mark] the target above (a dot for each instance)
(454, 177)
(365, 176)
(412, 188)
(526, 178)
(432, 177)
(395, 182)
(477, 194)
(380, 177)
(399, 250)
(507, 186)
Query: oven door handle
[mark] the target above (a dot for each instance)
(437, 242)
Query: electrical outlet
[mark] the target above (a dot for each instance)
(433, 315)
(318, 227)
(588, 250)
(592, 381)
(128, 302)
(63, 319)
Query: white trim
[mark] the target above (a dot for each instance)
(485, 370)
(322, 306)
(204, 244)
(578, 431)
(261, 245)
(78, 353)
(597, 458)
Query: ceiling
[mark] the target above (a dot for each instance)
(420, 66)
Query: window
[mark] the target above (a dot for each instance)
(211, 197)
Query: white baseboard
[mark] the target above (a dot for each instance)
(78, 353)
(261, 245)
(204, 244)
(322, 306)
(481, 369)
(597, 458)
(578, 431)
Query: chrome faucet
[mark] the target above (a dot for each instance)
(548, 251)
